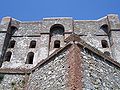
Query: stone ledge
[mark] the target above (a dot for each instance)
(16, 70)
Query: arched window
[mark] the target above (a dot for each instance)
(56, 44)
(30, 57)
(32, 44)
(11, 44)
(56, 36)
(104, 44)
(107, 53)
(104, 28)
(56, 29)
(13, 29)
(8, 56)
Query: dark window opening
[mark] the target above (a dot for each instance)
(13, 29)
(8, 56)
(30, 57)
(104, 28)
(57, 44)
(56, 29)
(11, 44)
(32, 44)
(104, 44)
(107, 53)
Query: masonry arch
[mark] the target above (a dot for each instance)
(30, 58)
(57, 29)
(13, 29)
(56, 36)
(104, 27)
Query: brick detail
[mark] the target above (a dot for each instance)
(26, 82)
(75, 69)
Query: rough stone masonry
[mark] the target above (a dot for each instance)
(60, 53)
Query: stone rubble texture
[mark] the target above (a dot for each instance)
(12, 82)
(56, 68)
(52, 76)
(99, 75)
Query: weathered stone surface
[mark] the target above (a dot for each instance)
(12, 82)
(26, 29)
(93, 72)
(74, 71)
(51, 76)
(98, 74)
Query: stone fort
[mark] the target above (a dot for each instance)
(60, 53)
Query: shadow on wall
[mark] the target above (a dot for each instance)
(1, 77)
(105, 28)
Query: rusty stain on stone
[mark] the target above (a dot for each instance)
(74, 61)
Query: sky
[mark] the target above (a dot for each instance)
(34, 10)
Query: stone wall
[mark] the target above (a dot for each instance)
(98, 74)
(4, 37)
(21, 49)
(115, 36)
(89, 30)
(50, 76)
(116, 45)
(48, 22)
(28, 29)
(12, 82)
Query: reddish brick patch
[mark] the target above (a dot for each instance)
(26, 82)
(74, 62)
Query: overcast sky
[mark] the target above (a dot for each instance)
(31, 10)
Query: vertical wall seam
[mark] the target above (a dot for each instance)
(74, 69)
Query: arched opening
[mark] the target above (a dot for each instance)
(104, 44)
(30, 57)
(56, 44)
(56, 36)
(11, 44)
(107, 53)
(57, 29)
(8, 56)
(32, 44)
(13, 29)
(104, 28)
